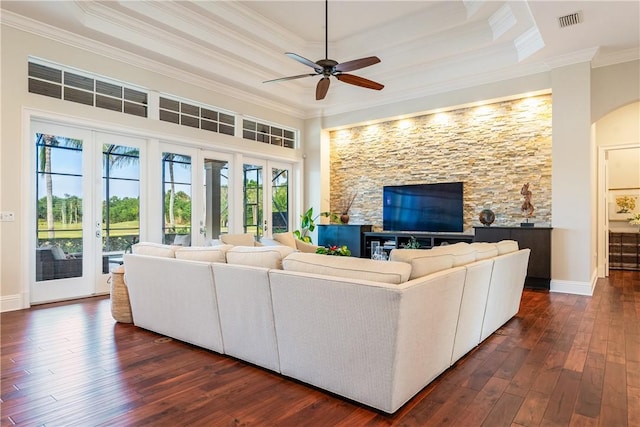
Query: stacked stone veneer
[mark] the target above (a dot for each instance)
(494, 149)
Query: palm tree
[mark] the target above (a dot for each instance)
(185, 161)
(45, 143)
(114, 156)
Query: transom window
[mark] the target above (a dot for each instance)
(71, 85)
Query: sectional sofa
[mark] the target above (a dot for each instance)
(376, 332)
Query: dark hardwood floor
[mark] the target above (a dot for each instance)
(564, 360)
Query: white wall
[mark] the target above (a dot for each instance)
(573, 248)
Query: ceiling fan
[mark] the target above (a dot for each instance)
(328, 67)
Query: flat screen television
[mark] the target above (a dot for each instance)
(423, 207)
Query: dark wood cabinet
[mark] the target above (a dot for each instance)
(538, 239)
(343, 234)
(624, 251)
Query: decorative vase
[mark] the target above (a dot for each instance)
(344, 218)
(487, 217)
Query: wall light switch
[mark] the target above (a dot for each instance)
(7, 216)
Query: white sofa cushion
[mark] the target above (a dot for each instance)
(507, 246)
(349, 267)
(246, 239)
(484, 250)
(462, 253)
(154, 249)
(423, 262)
(204, 253)
(262, 256)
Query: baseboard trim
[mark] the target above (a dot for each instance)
(11, 303)
(574, 287)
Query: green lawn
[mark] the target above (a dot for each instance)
(74, 231)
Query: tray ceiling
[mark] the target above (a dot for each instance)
(426, 47)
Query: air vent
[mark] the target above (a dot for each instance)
(571, 19)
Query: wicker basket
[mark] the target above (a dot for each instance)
(120, 307)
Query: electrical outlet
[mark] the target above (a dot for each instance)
(7, 216)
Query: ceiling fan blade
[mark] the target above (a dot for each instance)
(359, 81)
(322, 88)
(356, 64)
(304, 61)
(282, 79)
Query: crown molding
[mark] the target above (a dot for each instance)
(584, 55)
(604, 59)
(528, 43)
(502, 21)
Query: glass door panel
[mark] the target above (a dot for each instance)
(280, 204)
(59, 207)
(216, 198)
(176, 192)
(252, 196)
(120, 202)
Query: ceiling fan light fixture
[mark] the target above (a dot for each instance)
(328, 67)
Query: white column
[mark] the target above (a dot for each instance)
(573, 266)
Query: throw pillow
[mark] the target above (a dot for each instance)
(287, 238)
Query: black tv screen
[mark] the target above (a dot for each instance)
(423, 207)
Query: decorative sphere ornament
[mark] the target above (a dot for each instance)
(487, 217)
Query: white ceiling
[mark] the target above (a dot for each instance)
(425, 47)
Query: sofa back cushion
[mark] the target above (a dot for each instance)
(423, 262)
(154, 249)
(348, 267)
(485, 250)
(260, 256)
(245, 239)
(507, 246)
(204, 253)
(463, 253)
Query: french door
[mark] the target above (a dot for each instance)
(86, 204)
(266, 197)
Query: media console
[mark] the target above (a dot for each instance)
(392, 239)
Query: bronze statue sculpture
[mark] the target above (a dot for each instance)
(526, 207)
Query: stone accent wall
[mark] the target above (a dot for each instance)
(494, 149)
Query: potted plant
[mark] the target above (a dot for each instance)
(334, 250)
(308, 224)
(412, 243)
